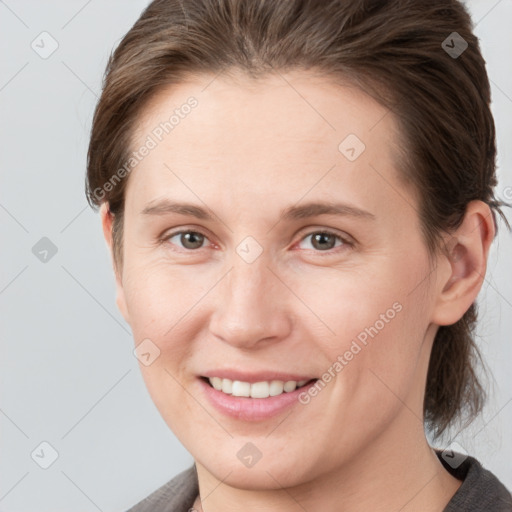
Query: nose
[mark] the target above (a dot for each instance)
(252, 306)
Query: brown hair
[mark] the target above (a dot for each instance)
(402, 52)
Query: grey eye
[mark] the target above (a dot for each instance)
(323, 240)
(189, 239)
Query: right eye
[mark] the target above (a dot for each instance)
(190, 240)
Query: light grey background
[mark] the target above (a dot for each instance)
(68, 376)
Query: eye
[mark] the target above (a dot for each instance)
(190, 240)
(324, 240)
(321, 240)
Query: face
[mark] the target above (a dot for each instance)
(256, 284)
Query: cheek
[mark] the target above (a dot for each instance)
(361, 305)
(159, 297)
(161, 306)
(378, 320)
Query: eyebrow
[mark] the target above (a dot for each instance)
(312, 209)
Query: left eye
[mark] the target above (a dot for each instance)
(324, 240)
(321, 240)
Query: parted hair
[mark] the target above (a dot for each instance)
(409, 55)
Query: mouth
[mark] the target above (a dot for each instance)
(259, 400)
(258, 390)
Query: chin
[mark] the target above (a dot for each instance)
(273, 471)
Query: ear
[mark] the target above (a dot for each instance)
(107, 219)
(463, 264)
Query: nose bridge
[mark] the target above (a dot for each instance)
(251, 306)
(250, 282)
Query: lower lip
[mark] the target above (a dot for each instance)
(251, 409)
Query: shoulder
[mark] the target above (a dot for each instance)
(177, 495)
(480, 491)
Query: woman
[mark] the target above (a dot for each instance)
(299, 206)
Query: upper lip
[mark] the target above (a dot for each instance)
(252, 376)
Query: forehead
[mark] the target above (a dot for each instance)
(269, 105)
(280, 133)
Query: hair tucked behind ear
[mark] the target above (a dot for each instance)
(399, 51)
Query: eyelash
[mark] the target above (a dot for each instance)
(345, 242)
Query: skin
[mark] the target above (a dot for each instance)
(248, 151)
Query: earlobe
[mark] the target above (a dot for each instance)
(465, 261)
(106, 223)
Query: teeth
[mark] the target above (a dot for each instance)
(276, 387)
(241, 388)
(259, 389)
(227, 386)
(216, 382)
(290, 386)
(262, 389)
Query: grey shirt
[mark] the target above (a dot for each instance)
(480, 491)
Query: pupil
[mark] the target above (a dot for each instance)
(320, 237)
(188, 238)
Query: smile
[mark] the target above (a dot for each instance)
(262, 389)
(252, 401)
